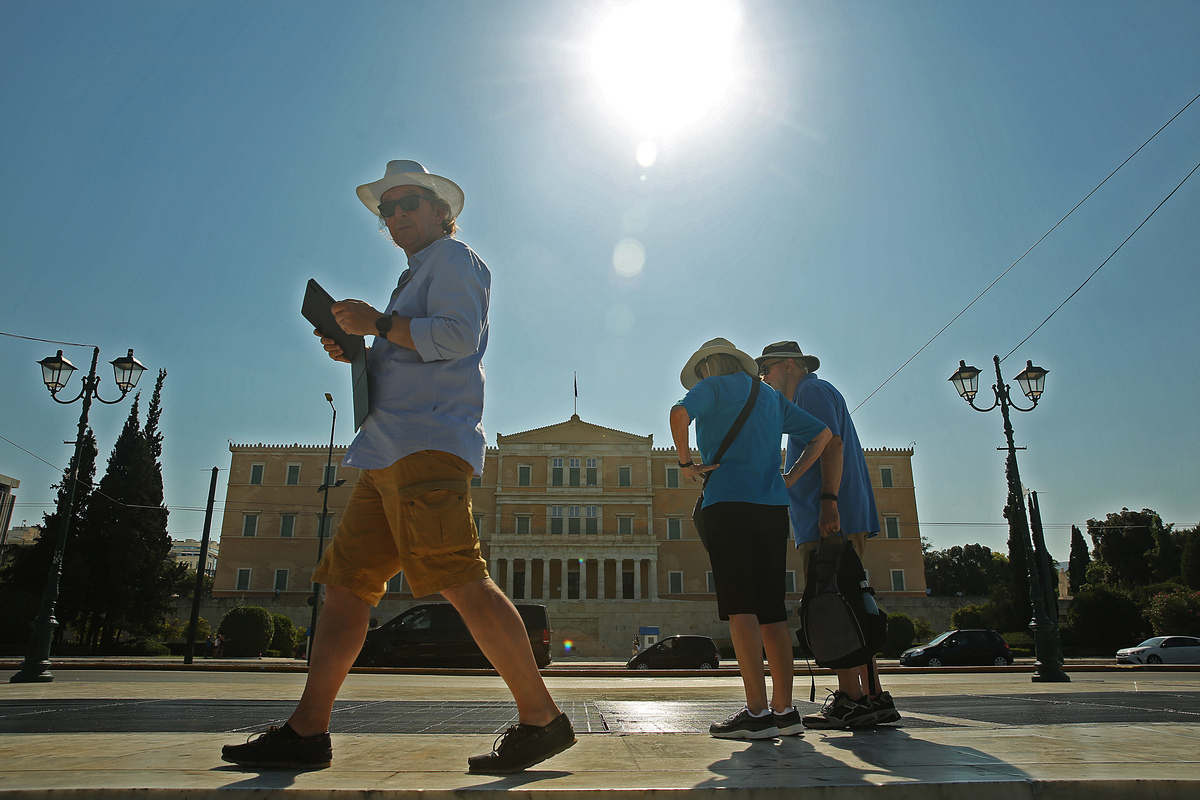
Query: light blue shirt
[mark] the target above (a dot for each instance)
(749, 471)
(430, 398)
(856, 501)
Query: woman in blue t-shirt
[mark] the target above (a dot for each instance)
(745, 517)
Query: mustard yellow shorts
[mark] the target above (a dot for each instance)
(413, 516)
(859, 540)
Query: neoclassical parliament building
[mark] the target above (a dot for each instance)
(594, 523)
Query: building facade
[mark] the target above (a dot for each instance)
(188, 552)
(591, 521)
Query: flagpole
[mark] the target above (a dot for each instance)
(576, 394)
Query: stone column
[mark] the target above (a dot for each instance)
(600, 562)
(508, 577)
(493, 568)
(637, 579)
(583, 578)
(563, 591)
(653, 580)
(545, 578)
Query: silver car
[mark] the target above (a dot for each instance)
(1162, 650)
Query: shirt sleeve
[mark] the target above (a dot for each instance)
(701, 400)
(819, 402)
(457, 304)
(798, 422)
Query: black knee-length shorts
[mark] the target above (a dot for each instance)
(747, 547)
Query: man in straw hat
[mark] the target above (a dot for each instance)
(410, 511)
(834, 497)
(745, 521)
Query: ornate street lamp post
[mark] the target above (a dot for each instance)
(56, 371)
(1044, 627)
(324, 489)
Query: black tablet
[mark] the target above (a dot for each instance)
(316, 309)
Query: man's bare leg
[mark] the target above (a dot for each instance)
(777, 641)
(748, 647)
(498, 630)
(850, 683)
(339, 638)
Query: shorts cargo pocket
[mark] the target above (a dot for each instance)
(439, 517)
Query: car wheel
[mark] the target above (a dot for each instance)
(1153, 659)
(999, 661)
(707, 665)
(643, 665)
(933, 661)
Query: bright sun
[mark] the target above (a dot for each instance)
(663, 64)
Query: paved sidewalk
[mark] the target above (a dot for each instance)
(973, 736)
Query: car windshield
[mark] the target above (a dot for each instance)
(937, 639)
(1153, 642)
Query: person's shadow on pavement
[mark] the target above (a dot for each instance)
(896, 752)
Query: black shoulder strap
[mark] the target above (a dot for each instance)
(736, 427)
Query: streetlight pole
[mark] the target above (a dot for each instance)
(1045, 628)
(324, 489)
(201, 571)
(56, 371)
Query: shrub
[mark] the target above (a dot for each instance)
(1175, 613)
(1020, 642)
(972, 617)
(923, 631)
(1104, 618)
(286, 634)
(248, 631)
(900, 634)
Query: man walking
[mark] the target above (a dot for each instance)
(410, 511)
(835, 496)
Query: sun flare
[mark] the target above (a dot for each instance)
(663, 64)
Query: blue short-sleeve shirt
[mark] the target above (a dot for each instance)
(749, 471)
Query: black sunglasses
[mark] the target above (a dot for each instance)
(407, 203)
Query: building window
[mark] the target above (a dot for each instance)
(243, 579)
(675, 583)
(672, 477)
(478, 523)
(625, 526)
(523, 526)
(591, 523)
(572, 519)
(281, 579)
(674, 528)
(524, 475)
(328, 526)
(897, 580)
(892, 526)
(710, 582)
(477, 480)
(885, 477)
(789, 581)
(287, 526)
(293, 475)
(572, 585)
(625, 476)
(256, 474)
(396, 584)
(593, 472)
(249, 524)
(330, 474)
(573, 473)
(556, 519)
(556, 472)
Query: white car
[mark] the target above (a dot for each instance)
(1162, 650)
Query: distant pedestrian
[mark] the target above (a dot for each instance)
(209, 647)
(220, 645)
(637, 645)
(835, 496)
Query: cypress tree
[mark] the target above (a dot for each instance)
(1078, 563)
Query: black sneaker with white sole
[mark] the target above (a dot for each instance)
(522, 746)
(744, 725)
(281, 748)
(789, 723)
(885, 708)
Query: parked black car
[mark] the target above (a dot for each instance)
(678, 652)
(433, 634)
(960, 648)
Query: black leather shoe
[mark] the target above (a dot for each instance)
(522, 746)
(281, 748)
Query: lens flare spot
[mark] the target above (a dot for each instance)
(647, 153)
(567, 645)
(629, 257)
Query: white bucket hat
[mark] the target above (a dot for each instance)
(688, 376)
(411, 173)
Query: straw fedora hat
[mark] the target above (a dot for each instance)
(411, 173)
(789, 350)
(713, 346)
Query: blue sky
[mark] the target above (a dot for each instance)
(173, 173)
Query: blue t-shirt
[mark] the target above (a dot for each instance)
(749, 471)
(856, 501)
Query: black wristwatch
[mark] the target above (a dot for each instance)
(384, 324)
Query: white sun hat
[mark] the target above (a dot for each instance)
(411, 173)
(688, 376)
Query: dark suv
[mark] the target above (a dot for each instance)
(433, 634)
(960, 648)
(678, 652)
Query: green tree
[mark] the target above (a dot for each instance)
(248, 631)
(1078, 564)
(970, 570)
(23, 580)
(1189, 561)
(287, 635)
(1123, 545)
(1175, 613)
(901, 631)
(1016, 596)
(975, 616)
(1104, 618)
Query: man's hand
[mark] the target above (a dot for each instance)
(356, 317)
(829, 521)
(332, 348)
(694, 471)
